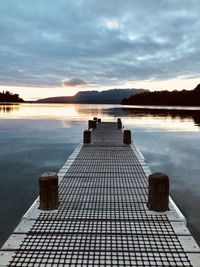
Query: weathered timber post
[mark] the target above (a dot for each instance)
(94, 124)
(158, 196)
(99, 120)
(87, 137)
(90, 124)
(119, 123)
(48, 191)
(95, 119)
(127, 137)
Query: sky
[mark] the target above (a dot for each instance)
(54, 48)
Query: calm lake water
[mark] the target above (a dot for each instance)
(36, 138)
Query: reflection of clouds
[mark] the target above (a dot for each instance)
(177, 154)
(66, 124)
(173, 152)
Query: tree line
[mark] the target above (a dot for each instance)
(7, 96)
(168, 98)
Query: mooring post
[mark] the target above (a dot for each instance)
(94, 124)
(127, 137)
(119, 123)
(87, 137)
(158, 196)
(99, 120)
(90, 124)
(48, 191)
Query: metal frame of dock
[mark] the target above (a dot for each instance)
(102, 219)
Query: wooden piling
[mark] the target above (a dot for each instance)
(119, 123)
(90, 124)
(87, 137)
(48, 191)
(127, 137)
(94, 124)
(158, 196)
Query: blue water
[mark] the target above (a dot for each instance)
(38, 138)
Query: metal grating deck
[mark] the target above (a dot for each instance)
(102, 219)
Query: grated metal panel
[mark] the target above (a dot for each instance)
(109, 168)
(99, 258)
(101, 206)
(102, 242)
(101, 198)
(109, 176)
(103, 191)
(48, 224)
(79, 181)
(106, 162)
(137, 215)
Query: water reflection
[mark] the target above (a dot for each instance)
(174, 114)
(7, 108)
(158, 118)
(177, 154)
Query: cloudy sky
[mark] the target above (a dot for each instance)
(50, 47)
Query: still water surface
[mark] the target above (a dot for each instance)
(36, 138)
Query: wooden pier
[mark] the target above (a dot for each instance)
(102, 219)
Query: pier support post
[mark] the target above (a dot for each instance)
(127, 137)
(158, 196)
(94, 124)
(119, 123)
(87, 137)
(90, 124)
(48, 191)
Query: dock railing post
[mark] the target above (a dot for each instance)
(127, 137)
(48, 191)
(119, 123)
(87, 137)
(158, 195)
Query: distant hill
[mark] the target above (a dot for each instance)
(167, 98)
(113, 96)
(7, 96)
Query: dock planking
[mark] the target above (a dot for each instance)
(102, 219)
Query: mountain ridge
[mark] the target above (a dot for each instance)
(112, 96)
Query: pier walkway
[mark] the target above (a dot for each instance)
(102, 219)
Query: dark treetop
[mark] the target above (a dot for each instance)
(173, 98)
(9, 97)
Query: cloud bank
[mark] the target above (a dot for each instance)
(100, 41)
(74, 82)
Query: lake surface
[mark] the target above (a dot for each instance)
(36, 138)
